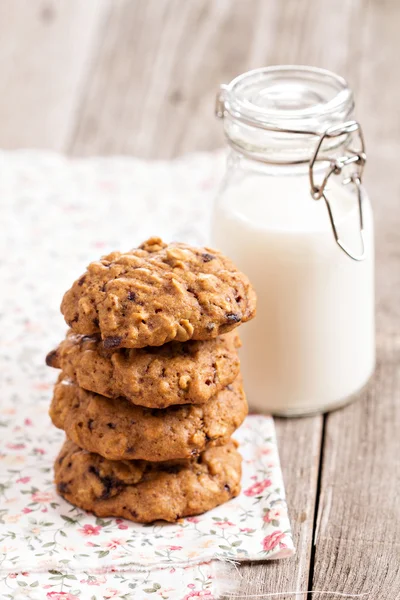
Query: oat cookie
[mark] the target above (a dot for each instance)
(118, 430)
(146, 492)
(157, 377)
(157, 293)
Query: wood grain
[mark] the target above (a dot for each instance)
(357, 535)
(357, 538)
(299, 443)
(45, 54)
(152, 94)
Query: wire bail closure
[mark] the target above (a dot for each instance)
(354, 157)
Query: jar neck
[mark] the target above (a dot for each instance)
(236, 159)
(282, 148)
(278, 114)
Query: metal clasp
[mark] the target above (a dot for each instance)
(336, 166)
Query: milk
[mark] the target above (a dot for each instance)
(311, 345)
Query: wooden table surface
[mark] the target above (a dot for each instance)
(139, 77)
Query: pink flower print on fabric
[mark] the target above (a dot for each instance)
(90, 530)
(271, 541)
(257, 488)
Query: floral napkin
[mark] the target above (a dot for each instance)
(58, 214)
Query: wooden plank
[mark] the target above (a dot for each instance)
(358, 532)
(150, 68)
(152, 90)
(357, 536)
(45, 53)
(302, 31)
(299, 448)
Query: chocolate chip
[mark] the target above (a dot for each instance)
(63, 487)
(109, 483)
(89, 424)
(82, 280)
(51, 358)
(207, 257)
(130, 449)
(133, 513)
(69, 465)
(171, 469)
(96, 322)
(111, 425)
(233, 318)
(75, 319)
(158, 310)
(112, 341)
(132, 296)
(227, 488)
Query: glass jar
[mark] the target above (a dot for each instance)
(293, 215)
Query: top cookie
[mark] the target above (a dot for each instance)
(158, 293)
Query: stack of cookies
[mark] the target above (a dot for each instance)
(150, 390)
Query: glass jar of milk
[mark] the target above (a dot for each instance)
(293, 215)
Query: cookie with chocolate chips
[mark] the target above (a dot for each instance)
(117, 429)
(144, 491)
(157, 293)
(156, 377)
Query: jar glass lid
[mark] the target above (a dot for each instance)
(296, 98)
